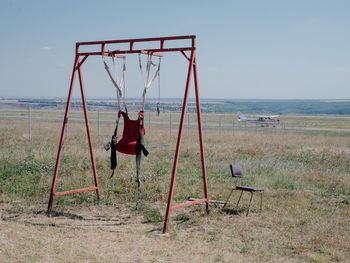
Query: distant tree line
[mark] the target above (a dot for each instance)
(220, 106)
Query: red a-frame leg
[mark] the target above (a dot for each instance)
(192, 64)
(200, 134)
(77, 65)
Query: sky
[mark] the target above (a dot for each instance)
(245, 49)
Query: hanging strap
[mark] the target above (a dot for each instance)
(140, 147)
(140, 142)
(158, 103)
(113, 146)
(147, 81)
(121, 86)
(112, 199)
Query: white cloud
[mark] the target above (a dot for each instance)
(46, 48)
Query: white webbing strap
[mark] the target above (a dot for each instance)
(119, 87)
(148, 82)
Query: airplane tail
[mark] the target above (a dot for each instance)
(241, 117)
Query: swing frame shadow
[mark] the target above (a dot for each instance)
(192, 69)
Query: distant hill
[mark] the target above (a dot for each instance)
(341, 107)
(335, 107)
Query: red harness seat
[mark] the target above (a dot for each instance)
(128, 143)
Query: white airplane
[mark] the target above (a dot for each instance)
(264, 121)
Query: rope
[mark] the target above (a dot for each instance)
(140, 148)
(114, 203)
(123, 82)
(121, 86)
(158, 104)
(147, 81)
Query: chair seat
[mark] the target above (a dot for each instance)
(249, 188)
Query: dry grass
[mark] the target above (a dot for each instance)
(305, 217)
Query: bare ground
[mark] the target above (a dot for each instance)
(102, 233)
(97, 234)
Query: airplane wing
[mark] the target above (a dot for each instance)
(268, 116)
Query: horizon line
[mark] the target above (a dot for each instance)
(161, 99)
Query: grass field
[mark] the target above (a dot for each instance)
(306, 204)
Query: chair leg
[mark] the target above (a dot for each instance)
(250, 202)
(261, 200)
(229, 196)
(239, 199)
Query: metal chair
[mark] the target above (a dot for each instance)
(236, 172)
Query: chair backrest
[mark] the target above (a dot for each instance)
(236, 170)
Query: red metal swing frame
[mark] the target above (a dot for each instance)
(192, 67)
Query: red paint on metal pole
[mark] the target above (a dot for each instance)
(64, 125)
(200, 133)
(135, 51)
(185, 55)
(178, 145)
(88, 132)
(75, 191)
(132, 41)
(151, 53)
(189, 203)
(82, 61)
